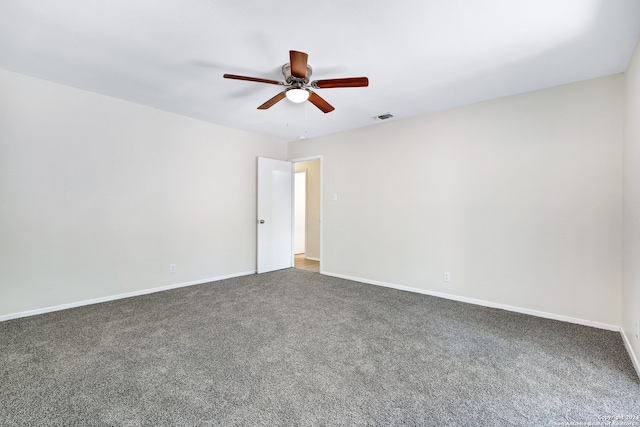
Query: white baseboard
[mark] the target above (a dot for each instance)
(625, 339)
(312, 259)
(119, 296)
(632, 355)
(482, 303)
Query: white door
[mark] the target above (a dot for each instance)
(275, 213)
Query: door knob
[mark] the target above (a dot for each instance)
(261, 221)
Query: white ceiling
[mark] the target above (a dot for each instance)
(419, 55)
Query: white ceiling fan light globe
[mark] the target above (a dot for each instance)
(297, 95)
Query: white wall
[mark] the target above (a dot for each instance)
(99, 196)
(519, 198)
(631, 247)
(312, 167)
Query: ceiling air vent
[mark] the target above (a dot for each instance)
(384, 116)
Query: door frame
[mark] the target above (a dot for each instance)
(299, 204)
(306, 159)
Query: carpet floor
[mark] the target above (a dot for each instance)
(293, 347)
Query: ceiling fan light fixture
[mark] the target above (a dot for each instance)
(297, 95)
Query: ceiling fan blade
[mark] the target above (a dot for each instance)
(319, 102)
(348, 82)
(252, 79)
(298, 62)
(270, 103)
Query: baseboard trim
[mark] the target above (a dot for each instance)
(632, 355)
(481, 302)
(312, 259)
(119, 296)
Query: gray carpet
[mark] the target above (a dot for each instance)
(297, 348)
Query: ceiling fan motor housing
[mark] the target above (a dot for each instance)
(294, 81)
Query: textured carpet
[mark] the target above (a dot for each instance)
(298, 348)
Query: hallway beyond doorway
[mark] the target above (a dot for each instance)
(306, 264)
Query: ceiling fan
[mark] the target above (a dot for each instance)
(296, 75)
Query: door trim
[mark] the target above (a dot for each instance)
(306, 159)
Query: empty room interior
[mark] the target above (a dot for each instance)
(472, 177)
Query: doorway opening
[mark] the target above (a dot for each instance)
(307, 213)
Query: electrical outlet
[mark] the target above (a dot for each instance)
(172, 268)
(446, 277)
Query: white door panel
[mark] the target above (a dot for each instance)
(275, 243)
